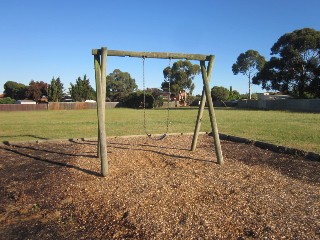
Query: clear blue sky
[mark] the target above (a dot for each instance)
(54, 38)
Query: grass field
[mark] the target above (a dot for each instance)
(292, 129)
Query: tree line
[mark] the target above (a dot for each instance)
(120, 87)
(54, 91)
(294, 66)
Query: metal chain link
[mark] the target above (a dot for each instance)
(144, 101)
(144, 98)
(169, 98)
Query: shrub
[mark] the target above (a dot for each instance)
(7, 100)
(135, 100)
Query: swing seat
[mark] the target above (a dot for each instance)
(160, 138)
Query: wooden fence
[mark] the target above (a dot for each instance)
(23, 107)
(71, 105)
(55, 106)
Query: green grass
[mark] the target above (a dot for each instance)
(298, 130)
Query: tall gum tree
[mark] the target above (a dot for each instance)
(249, 64)
(295, 64)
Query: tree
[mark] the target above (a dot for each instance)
(82, 90)
(7, 100)
(219, 93)
(119, 85)
(135, 100)
(295, 65)
(157, 95)
(36, 90)
(180, 76)
(55, 90)
(249, 64)
(15, 90)
(233, 94)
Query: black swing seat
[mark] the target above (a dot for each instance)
(160, 138)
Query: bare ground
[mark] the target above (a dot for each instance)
(156, 190)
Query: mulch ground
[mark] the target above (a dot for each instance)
(156, 190)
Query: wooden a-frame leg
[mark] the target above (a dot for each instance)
(201, 108)
(97, 69)
(213, 120)
(100, 76)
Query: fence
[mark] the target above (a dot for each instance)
(23, 107)
(56, 106)
(301, 105)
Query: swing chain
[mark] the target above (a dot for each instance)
(169, 97)
(144, 99)
(144, 96)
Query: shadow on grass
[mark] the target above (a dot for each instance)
(24, 135)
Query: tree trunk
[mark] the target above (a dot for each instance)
(249, 86)
(301, 87)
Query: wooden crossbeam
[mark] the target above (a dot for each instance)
(163, 55)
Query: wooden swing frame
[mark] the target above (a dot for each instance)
(100, 66)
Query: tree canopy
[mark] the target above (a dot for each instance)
(7, 100)
(55, 90)
(295, 64)
(249, 64)
(36, 90)
(19, 91)
(119, 85)
(233, 94)
(219, 93)
(15, 90)
(181, 76)
(136, 100)
(82, 90)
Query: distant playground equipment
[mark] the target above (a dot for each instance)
(179, 100)
(100, 66)
(183, 98)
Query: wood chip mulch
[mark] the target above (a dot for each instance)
(156, 190)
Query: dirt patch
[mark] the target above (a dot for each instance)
(156, 190)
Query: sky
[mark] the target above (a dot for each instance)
(42, 39)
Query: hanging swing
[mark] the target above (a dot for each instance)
(144, 104)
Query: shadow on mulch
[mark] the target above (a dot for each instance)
(33, 153)
(292, 166)
(176, 156)
(50, 190)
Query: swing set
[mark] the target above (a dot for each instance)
(100, 66)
